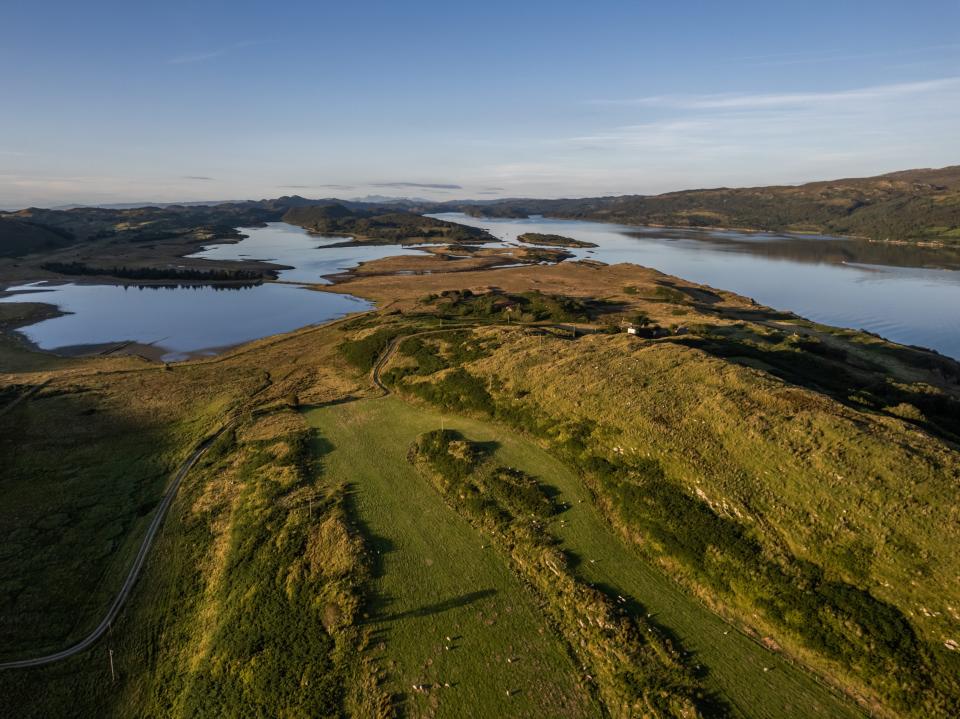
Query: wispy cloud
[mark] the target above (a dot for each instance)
(196, 57)
(420, 185)
(211, 53)
(316, 187)
(196, 177)
(778, 136)
(747, 101)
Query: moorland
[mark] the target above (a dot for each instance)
(483, 497)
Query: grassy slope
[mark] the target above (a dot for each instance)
(733, 662)
(20, 238)
(85, 460)
(867, 496)
(661, 398)
(811, 472)
(434, 580)
(915, 205)
(246, 605)
(80, 484)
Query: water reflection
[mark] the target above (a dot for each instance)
(815, 249)
(305, 257)
(181, 321)
(907, 294)
(185, 319)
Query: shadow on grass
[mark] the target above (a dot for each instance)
(440, 607)
(378, 547)
(485, 449)
(834, 372)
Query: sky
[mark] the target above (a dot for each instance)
(105, 102)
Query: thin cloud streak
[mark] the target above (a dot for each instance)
(734, 101)
(197, 57)
(421, 185)
(316, 187)
(204, 55)
(789, 136)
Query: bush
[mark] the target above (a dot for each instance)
(363, 353)
(446, 451)
(458, 389)
(630, 667)
(832, 617)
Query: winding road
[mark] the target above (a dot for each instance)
(135, 568)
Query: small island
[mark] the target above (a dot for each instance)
(377, 227)
(538, 238)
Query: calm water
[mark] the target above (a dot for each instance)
(185, 321)
(909, 295)
(311, 257)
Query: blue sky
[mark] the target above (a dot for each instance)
(113, 102)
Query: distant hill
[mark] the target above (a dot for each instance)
(38, 230)
(378, 226)
(18, 237)
(906, 206)
(910, 206)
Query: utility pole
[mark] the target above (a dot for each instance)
(113, 676)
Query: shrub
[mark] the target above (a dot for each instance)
(363, 353)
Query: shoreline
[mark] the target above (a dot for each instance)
(800, 234)
(436, 259)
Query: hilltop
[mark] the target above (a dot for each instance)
(906, 206)
(914, 206)
(381, 227)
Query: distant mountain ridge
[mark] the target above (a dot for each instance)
(909, 206)
(920, 205)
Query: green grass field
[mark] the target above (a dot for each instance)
(435, 577)
(431, 564)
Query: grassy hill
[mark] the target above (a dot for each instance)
(910, 206)
(819, 521)
(378, 226)
(18, 237)
(744, 514)
(907, 206)
(444, 607)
